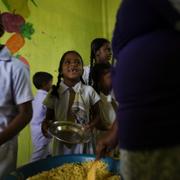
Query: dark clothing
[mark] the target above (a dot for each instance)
(146, 80)
(136, 18)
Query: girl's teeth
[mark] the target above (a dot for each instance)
(73, 70)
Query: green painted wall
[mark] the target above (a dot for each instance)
(109, 9)
(61, 26)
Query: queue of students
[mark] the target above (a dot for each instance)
(18, 107)
(145, 43)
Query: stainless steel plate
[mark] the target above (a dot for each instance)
(69, 132)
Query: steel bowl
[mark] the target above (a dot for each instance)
(68, 132)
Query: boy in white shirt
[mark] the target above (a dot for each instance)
(43, 82)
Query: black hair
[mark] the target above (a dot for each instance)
(97, 71)
(1, 26)
(96, 44)
(55, 88)
(39, 78)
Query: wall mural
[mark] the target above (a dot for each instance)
(14, 21)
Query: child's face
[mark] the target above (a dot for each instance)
(103, 55)
(106, 82)
(47, 86)
(72, 67)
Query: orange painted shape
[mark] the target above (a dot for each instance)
(15, 42)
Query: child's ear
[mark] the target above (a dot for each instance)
(97, 53)
(97, 56)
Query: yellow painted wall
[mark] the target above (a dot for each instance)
(60, 26)
(109, 9)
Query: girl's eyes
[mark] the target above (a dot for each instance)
(66, 62)
(107, 49)
(75, 62)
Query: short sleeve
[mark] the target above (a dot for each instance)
(21, 84)
(94, 97)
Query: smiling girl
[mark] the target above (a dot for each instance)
(71, 92)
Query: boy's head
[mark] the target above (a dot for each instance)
(42, 80)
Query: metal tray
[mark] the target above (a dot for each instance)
(22, 173)
(69, 132)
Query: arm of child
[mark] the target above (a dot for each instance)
(47, 121)
(94, 116)
(95, 119)
(18, 123)
(108, 141)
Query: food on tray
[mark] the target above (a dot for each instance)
(76, 171)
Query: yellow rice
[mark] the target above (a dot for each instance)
(76, 171)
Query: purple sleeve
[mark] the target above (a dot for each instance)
(167, 10)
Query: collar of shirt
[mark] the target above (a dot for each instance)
(63, 87)
(42, 91)
(107, 98)
(5, 54)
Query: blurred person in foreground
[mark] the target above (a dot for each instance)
(146, 45)
(15, 106)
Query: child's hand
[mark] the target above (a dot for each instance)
(89, 126)
(107, 142)
(44, 127)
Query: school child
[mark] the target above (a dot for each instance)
(15, 106)
(100, 53)
(43, 82)
(102, 83)
(71, 92)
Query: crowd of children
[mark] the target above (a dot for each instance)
(81, 95)
(145, 43)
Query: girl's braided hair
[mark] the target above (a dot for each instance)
(55, 88)
(96, 44)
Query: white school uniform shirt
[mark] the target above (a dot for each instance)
(85, 75)
(108, 116)
(15, 88)
(107, 111)
(40, 142)
(88, 96)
